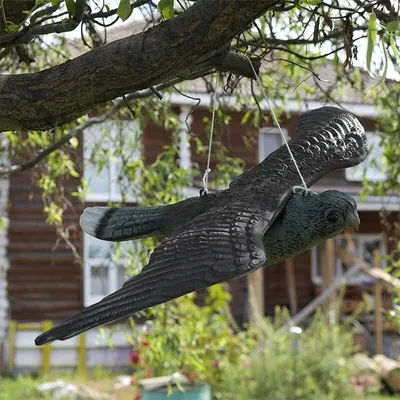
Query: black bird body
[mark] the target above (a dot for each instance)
(218, 237)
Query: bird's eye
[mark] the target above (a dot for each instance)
(332, 216)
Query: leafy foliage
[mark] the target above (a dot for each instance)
(261, 360)
(313, 365)
(197, 341)
(388, 101)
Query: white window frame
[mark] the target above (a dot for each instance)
(359, 278)
(372, 173)
(89, 298)
(113, 194)
(263, 132)
(112, 273)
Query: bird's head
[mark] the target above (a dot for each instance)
(309, 219)
(334, 212)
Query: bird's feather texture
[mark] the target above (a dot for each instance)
(226, 239)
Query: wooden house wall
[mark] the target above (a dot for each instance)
(45, 282)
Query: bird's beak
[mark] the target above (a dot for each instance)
(354, 225)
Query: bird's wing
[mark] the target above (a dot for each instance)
(226, 241)
(214, 248)
(326, 139)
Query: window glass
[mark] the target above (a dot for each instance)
(270, 139)
(99, 281)
(104, 270)
(271, 143)
(103, 163)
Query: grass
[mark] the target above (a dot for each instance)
(25, 387)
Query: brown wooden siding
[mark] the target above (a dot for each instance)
(154, 139)
(44, 282)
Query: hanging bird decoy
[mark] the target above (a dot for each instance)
(264, 217)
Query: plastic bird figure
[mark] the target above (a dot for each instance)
(264, 217)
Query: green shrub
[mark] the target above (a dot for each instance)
(199, 342)
(264, 361)
(312, 365)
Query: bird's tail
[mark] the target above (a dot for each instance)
(119, 224)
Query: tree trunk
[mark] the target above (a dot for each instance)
(389, 370)
(365, 365)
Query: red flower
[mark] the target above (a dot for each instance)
(135, 357)
(145, 342)
(191, 378)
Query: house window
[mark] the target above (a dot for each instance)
(373, 166)
(365, 245)
(103, 164)
(104, 271)
(269, 140)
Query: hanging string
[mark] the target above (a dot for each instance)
(208, 170)
(277, 123)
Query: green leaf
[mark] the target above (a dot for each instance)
(314, 2)
(118, 251)
(372, 30)
(166, 8)
(74, 142)
(124, 9)
(246, 117)
(386, 64)
(11, 27)
(74, 173)
(393, 27)
(71, 7)
(394, 47)
(372, 37)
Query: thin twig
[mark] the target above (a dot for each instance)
(198, 99)
(26, 34)
(128, 106)
(156, 92)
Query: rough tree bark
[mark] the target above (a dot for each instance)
(197, 39)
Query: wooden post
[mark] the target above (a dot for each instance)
(291, 282)
(378, 309)
(256, 281)
(328, 270)
(82, 353)
(46, 349)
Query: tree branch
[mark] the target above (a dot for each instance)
(28, 33)
(43, 153)
(197, 38)
(238, 64)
